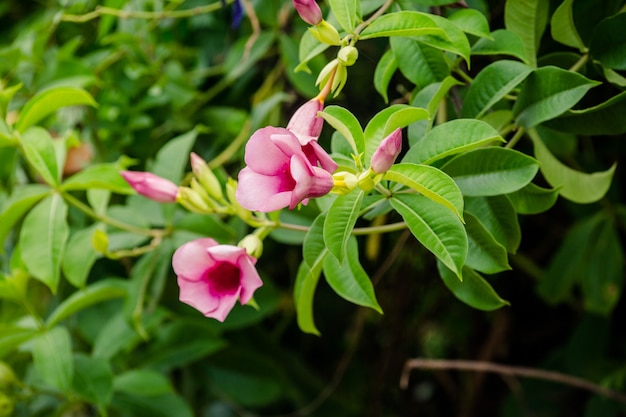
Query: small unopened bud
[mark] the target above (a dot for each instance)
(348, 55)
(344, 182)
(308, 10)
(366, 182)
(387, 152)
(205, 175)
(100, 241)
(326, 33)
(231, 193)
(305, 123)
(192, 201)
(152, 186)
(253, 245)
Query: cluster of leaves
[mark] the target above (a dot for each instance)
(90, 319)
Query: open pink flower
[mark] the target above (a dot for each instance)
(387, 152)
(212, 277)
(279, 173)
(152, 186)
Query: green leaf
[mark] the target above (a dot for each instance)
(576, 186)
(562, 26)
(173, 157)
(348, 278)
(455, 41)
(340, 221)
(22, 199)
(12, 336)
(547, 93)
(404, 23)
(606, 118)
(347, 12)
(100, 176)
(451, 138)
(533, 199)
(484, 253)
(52, 356)
(491, 85)
(528, 19)
(386, 67)
(503, 42)
(40, 154)
(303, 82)
(43, 238)
(491, 171)
(49, 101)
(143, 383)
(474, 290)
(79, 256)
(499, 218)
(471, 21)
(308, 49)
(440, 231)
(347, 124)
(6, 95)
(93, 379)
(419, 63)
(608, 43)
(81, 299)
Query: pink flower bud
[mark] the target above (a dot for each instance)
(387, 152)
(152, 186)
(305, 123)
(212, 277)
(309, 11)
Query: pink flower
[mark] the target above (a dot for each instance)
(279, 172)
(152, 186)
(309, 11)
(387, 152)
(212, 277)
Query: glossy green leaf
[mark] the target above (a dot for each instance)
(608, 43)
(491, 85)
(43, 238)
(347, 13)
(451, 138)
(309, 48)
(52, 356)
(79, 256)
(503, 42)
(430, 182)
(347, 124)
(22, 199)
(455, 41)
(471, 21)
(474, 290)
(533, 199)
(40, 154)
(340, 221)
(439, 230)
(173, 157)
(142, 382)
(576, 186)
(49, 101)
(562, 26)
(100, 176)
(385, 68)
(491, 171)
(93, 379)
(419, 63)
(606, 118)
(6, 95)
(484, 253)
(348, 278)
(403, 23)
(400, 119)
(547, 93)
(13, 336)
(83, 298)
(499, 218)
(528, 19)
(501, 120)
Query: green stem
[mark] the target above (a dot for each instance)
(110, 221)
(373, 17)
(516, 137)
(581, 61)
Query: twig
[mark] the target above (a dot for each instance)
(506, 370)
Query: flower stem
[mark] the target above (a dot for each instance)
(516, 137)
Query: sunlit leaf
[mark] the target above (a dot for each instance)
(471, 21)
(562, 26)
(340, 221)
(100, 176)
(404, 23)
(528, 19)
(347, 124)
(22, 199)
(386, 67)
(347, 12)
(503, 42)
(533, 199)
(39, 152)
(420, 63)
(474, 290)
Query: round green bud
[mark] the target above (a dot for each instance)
(348, 55)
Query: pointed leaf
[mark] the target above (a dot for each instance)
(455, 41)
(404, 23)
(440, 231)
(608, 43)
(576, 186)
(100, 176)
(503, 42)
(43, 238)
(22, 199)
(498, 216)
(349, 280)
(309, 48)
(49, 101)
(528, 19)
(450, 138)
(419, 63)
(533, 199)
(471, 21)
(340, 222)
(347, 124)
(430, 182)
(40, 154)
(547, 93)
(79, 256)
(52, 356)
(491, 171)
(93, 379)
(562, 26)
(474, 290)
(491, 85)
(173, 157)
(484, 253)
(385, 69)
(347, 13)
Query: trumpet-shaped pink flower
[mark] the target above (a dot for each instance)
(309, 11)
(212, 277)
(387, 152)
(152, 186)
(279, 173)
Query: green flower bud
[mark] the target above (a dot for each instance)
(326, 33)
(253, 245)
(348, 55)
(344, 182)
(206, 177)
(231, 192)
(366, 181)
(192, 201)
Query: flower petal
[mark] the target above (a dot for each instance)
(191, 260)
(263, 193)
(262, 155)
(250, 279)
(226, 303)
(196, 294)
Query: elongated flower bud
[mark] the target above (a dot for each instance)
(387, 152)
(152, 186)
(206, 177)
(309, 11)
(305, 123)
